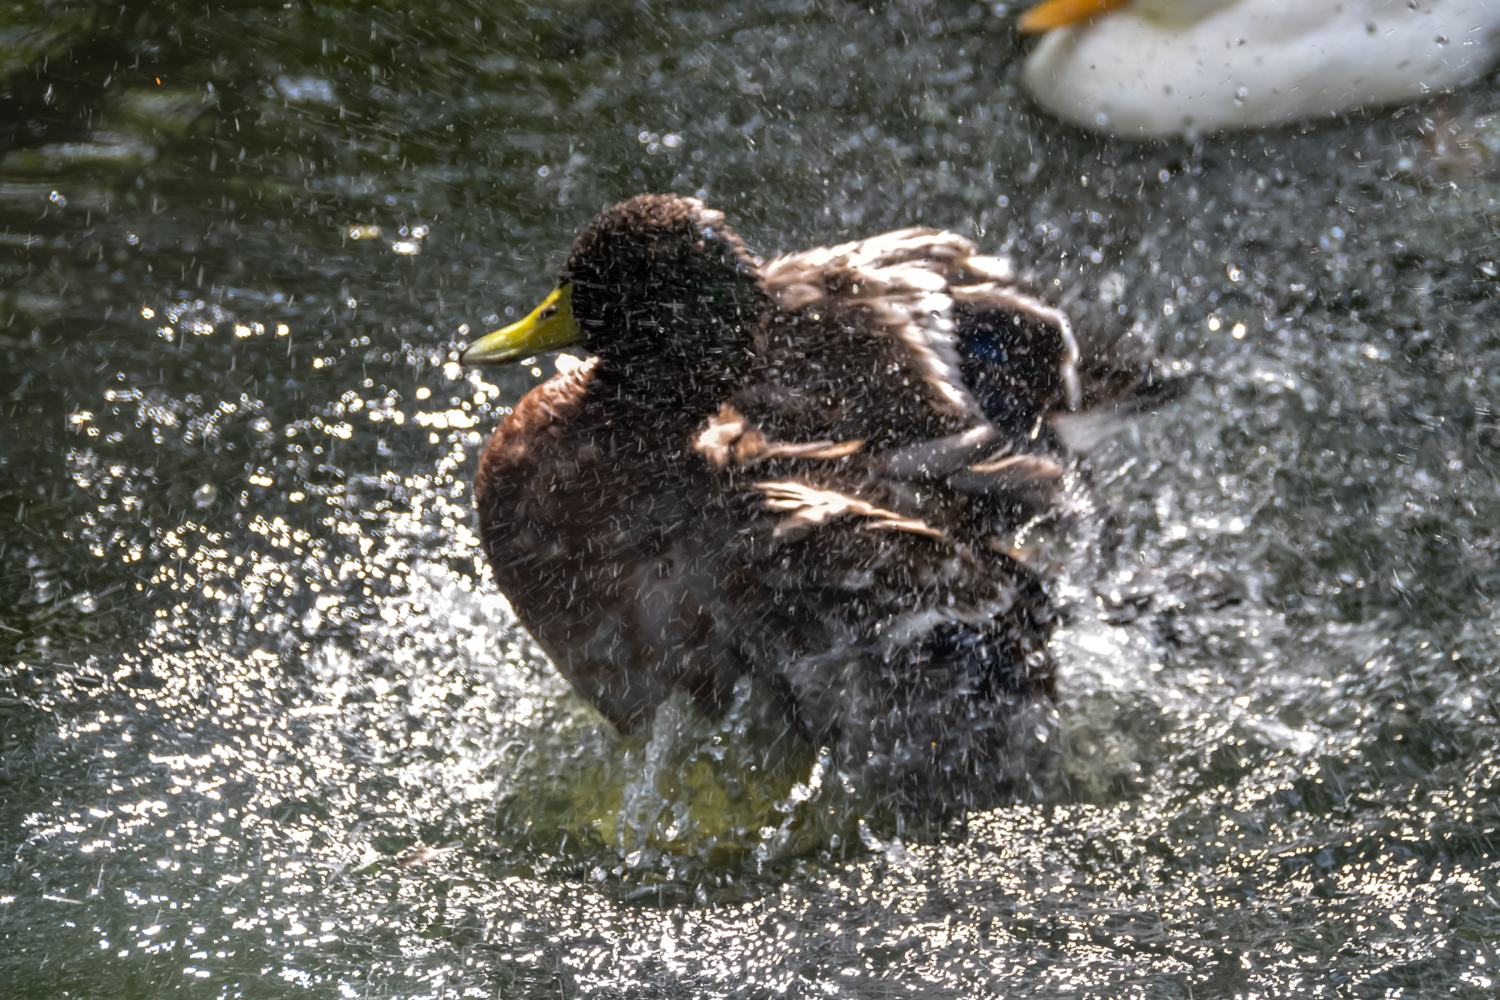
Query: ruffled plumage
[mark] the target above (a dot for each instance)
(840, 524)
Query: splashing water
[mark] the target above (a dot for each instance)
(266, 727)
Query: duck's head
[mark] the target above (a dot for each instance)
(661, 290)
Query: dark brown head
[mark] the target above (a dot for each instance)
(662, 291)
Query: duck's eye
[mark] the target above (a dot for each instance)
(547, 313)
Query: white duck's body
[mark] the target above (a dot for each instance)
(1165, 67)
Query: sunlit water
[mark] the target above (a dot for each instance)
(267, 729)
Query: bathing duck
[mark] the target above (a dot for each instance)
(1162, 67)
(810, 470)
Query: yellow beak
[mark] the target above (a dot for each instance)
(549, 326)
(1051, 14)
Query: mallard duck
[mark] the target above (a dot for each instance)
(810, 470)
(1163, 67)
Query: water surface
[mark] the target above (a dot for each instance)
(266, 728)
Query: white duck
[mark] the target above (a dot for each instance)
(1166, 67)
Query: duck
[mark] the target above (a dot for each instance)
(1153, 68)
(809, 471)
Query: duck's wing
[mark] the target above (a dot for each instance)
(866, 328)
(890, 639)
(894, 425)
(912, 359)
(915, 336)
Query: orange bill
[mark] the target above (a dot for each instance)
(1051, 14)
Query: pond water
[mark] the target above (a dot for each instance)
(267, 729)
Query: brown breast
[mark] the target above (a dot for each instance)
(592, 521)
